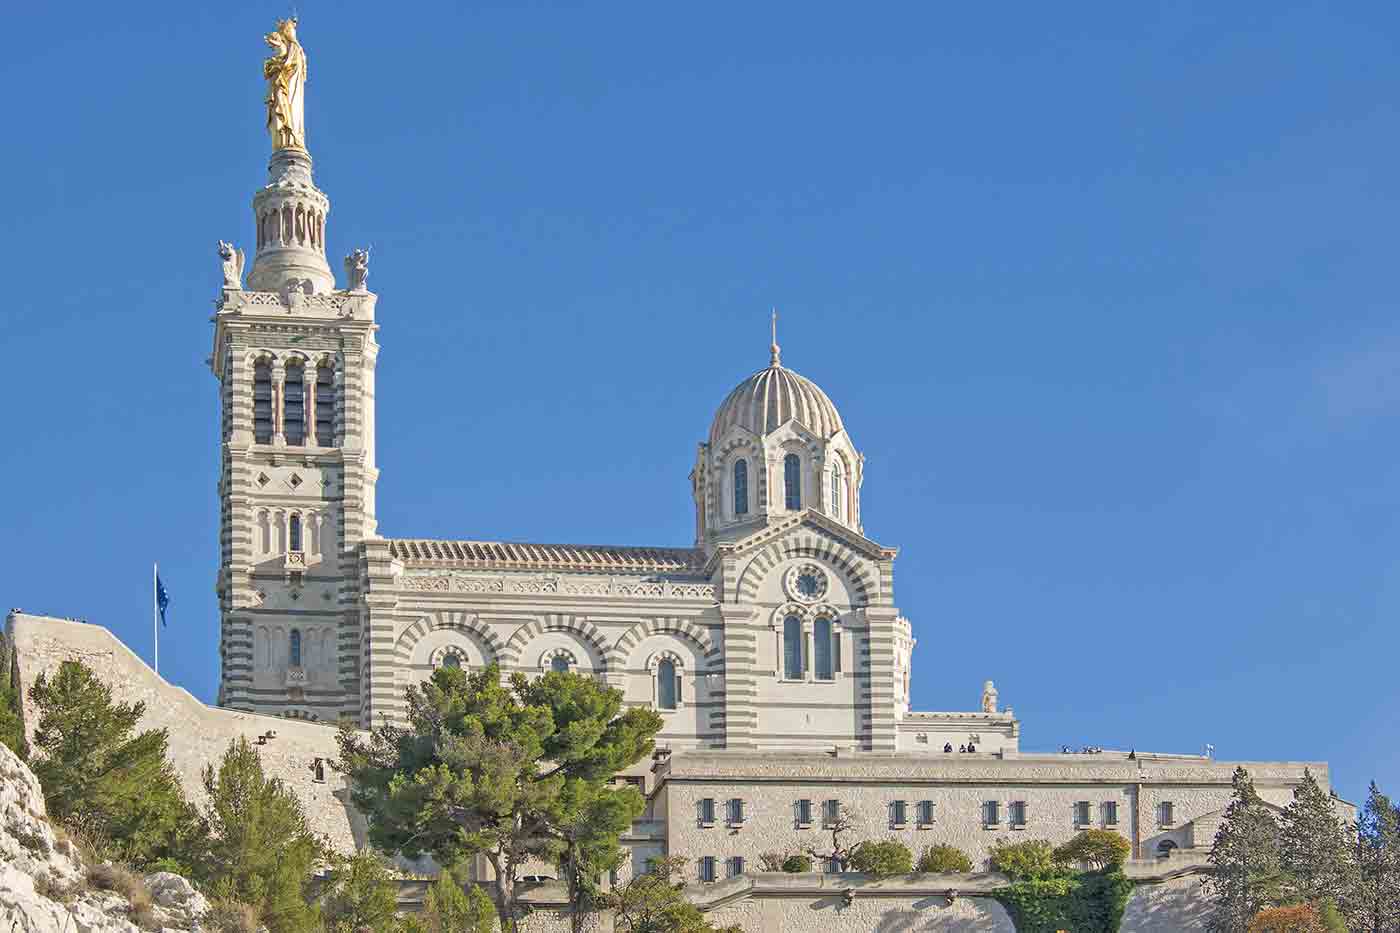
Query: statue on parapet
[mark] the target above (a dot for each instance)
(357, 270)
(285, 71)
(232, 261)
(989, 698)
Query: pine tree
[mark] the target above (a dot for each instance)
(1313, 845)
(92, 766)
(1247, 867)
(1373, 903)
(11, 723)
(261, 851)
(448, 908)
(360, 892)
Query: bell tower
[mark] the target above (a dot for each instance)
(295, 359)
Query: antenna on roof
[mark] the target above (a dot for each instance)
(773, 349)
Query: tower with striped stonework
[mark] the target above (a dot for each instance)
(295, 358)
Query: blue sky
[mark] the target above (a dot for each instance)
(1104, 293)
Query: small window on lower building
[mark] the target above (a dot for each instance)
(1110, 813)
(831, 812)
(925, 812)
(734, 867)
(707, 810)
(897, 814)
(1081, 813)
(1017, 813)
(991, 813)
(803, 814)
(707, 869)
(735, 811)
(1166, 813)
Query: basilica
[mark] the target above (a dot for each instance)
(772, 645)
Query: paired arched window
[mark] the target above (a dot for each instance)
(792, 482)
(295, 646)
(294, 404)
(325, 406)
(559, 663)
(838, 489)
(792, 648)
(741, 487)
(822, 645)
(294, 533)
(666, 684)
(262, 402)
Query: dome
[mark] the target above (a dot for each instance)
(772, 396)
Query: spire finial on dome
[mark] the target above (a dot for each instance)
(773, 348)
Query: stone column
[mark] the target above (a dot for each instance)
(309, 372)
(279, 375)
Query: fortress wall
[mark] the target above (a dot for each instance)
(199, 734)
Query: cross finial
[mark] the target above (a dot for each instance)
(773, 348)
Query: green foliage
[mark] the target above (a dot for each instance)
(448, 908)
(261, 851)
(590, 818)
(1098, 848)
(1313, 845)
(797, 864)
(1092, 902)
(1247, 873)
(942, 859)
(93, 769)
(654, 903)
(507, 772)
(1033, 859)
(360, 892)
(882, 859)
(1373, 899)
(11, 719)
(1331, 917)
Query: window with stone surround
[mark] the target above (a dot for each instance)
(897, 813)
(792, 648)
(1166, 814)
(741, 487)
(734, 866)
(734, 811)
(991, 813)
(831, 812)
(792, 482)
(1016, 814)
(924, 813)
(666, 684)
(1081, 813)
(1110, 812)
(706, 811)
(325, 406)
(822, 644)
(803, 813)
(707, 869)
(294, 403)
(262, 402)
(294, 533)
(295, 648)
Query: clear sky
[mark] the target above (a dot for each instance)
(1104, 292)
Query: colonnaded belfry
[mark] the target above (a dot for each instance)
(772, 644)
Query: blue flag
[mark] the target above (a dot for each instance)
(162, 599)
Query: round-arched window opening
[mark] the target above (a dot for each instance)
(666, 684)
(559, 664)
(452, 660)
(295, 648)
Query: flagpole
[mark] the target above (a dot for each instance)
(155, 610)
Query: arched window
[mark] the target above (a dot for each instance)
(559, 663)
(666, 684)
(741, 487)
(451, 660)
(821, 649)
(262, 402)
(792, 648)
(838, 489)
(792, 482)
(325, 406)
(294, 404)
(295, 652)
(294, 533)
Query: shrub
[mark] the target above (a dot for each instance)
(797, 864)
(1092, 902)
(46, 885)
(1031, 860)
(447, 908)
(360, 892)
(943, 858)
(124, 880)
(1099, 848)
(771, 861)
(1300, 918)
(227, 915)
(882, 859)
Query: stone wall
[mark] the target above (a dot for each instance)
(199, 734)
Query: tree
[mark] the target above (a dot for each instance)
(1031, 860)
(1099, 848)
(590, 818)
(11, 723)
(261, 851)
(1313, 845)
(943, 859)
(501, 771)
(448, 908)
(838, 856)
(92, 766)
(883, 859)
(1373, 903)
(1247, 873)
(360, 892)
(653, 902)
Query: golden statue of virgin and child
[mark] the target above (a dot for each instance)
(285, 71)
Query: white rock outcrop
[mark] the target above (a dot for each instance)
(43, 883)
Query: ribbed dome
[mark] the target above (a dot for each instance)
(772, 396)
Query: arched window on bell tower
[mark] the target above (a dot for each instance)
(325, 406)
(262, 402)
(792, 482)
(792, 648)
(741, 487)
(295, 646)
(294, 404)
(294, 533)
(838, 489)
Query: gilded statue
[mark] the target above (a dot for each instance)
(285, 71)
